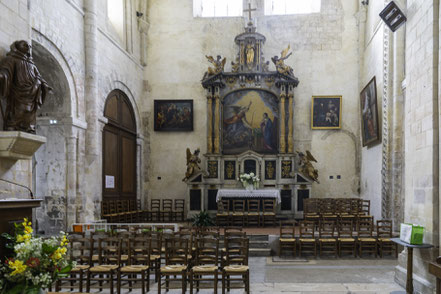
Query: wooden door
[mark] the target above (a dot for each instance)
(119, 149)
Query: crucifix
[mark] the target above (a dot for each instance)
(249, 10)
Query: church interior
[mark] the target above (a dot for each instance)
(248, 146)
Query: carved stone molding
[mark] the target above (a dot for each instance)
(19, 145)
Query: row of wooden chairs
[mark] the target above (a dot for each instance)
(129, 211)
(128, 257)
(248, 212)
(336, 206)
(338, 237)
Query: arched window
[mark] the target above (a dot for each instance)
(119, 148)
(115, 14)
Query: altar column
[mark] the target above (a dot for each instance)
(216, 121)
(290, 118)
(210, 122)
(282, 119)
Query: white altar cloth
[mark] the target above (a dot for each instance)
(262, 193)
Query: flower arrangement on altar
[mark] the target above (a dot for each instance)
(35, 263)
(249, 181)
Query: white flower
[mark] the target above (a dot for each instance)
(252, 174)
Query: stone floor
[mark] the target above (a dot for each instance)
(332, 276)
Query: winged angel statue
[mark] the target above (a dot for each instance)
(306, 167)
(281, 67)
(219, 64)
(193, 161)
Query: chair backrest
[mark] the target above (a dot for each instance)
(345, 228)
(140, 250)
(364, 227)
(80, 249)
(223, 205)
(238, 205)
(366, 207)
(236, 250)
(208, 233)
(287, 229)
(253, 205)
(307, 229)
(384, 228)
(155, 205)
(167, 204)
(109, 250)
(269, 205)
(207, 250)
(326, 229)
(176, 251)
(179, 205)
(327, 206)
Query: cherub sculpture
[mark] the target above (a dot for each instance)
(219, 64)
(306, 167)
(281, 67)
(193, 161)
(235, 65)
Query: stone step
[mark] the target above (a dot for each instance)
(258, 237)
(258, 244)
(260, 252)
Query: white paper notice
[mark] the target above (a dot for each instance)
(110, 182)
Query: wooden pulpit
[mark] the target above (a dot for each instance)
(12, 211)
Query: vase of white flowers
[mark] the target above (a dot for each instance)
(249, 181)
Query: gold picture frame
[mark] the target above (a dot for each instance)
(326, 112)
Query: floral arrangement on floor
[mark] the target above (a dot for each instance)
(249, 180)
(36, 262)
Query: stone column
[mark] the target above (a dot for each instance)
(92, 188)
(71, 177)
(282, 146)
(209, 122)
(143, 27)
(216, 121)
(290, 119)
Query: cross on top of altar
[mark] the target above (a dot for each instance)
(249, 10)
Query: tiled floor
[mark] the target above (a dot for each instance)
(328, 276)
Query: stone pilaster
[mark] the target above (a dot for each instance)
(209, 122)
(290, 119)
(282, 146)
(216, 121)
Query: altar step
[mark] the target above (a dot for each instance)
(259, 245)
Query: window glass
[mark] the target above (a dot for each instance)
(115, 13)
(217, 8)
(283, 7)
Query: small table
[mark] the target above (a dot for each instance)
(409, 282)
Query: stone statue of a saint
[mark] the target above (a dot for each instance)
(193, 161)
(23, 88)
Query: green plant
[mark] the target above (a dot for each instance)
(202, 219)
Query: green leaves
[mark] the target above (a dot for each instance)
(48, 249)
(203, 219)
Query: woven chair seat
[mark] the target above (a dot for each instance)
(306, 240)
(236, 268)
(80, 267)
(175, 268)
(367, 240)
(287, 240)
(103, 268)
(222, 214)
(329, 240)
(269, 213)
(155, 257)
(204, 268)
(253, 213)
(95, 257)
(346, 239)
(384, 240)
(134, 268)
(237, 214)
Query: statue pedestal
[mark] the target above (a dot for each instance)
(12, 211)
(19, 145)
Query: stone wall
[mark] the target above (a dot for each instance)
(325, 59)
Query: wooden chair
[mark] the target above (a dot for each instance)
(238, 215)
(176, 263)
(109, 260)
(223, 213)
(167, 210)
(155, 210)
(384, 235)
(365, 207)
(269, 212)
(327, 240)
(346, 240)
(138, 268)
(307, 240)
(155, 256)
(236, 263)
(365, 239)
(253, 213)
(94, 239)
(206, 264)
(287, 238)
(178, 210)
(80, 252)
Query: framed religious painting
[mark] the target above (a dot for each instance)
(369, 114)
(326, 112)
(173, 115)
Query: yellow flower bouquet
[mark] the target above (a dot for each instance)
(35, 262)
